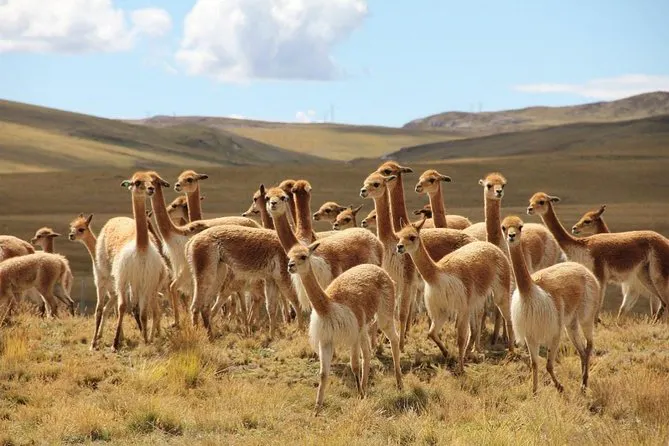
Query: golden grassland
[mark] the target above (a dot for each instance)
(338, 142)
(239, 389)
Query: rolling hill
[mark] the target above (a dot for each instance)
(486, 123)
(333, 141)
(35, 139)
(641, 138)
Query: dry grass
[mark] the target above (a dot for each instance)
(336, 143)
(184, 389)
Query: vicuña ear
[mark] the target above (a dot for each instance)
(481, 183)
(162, 182)
(126, 184)
(417, 212)
(202, 197)
(355, 211)
(402, 223)
(88, 220)
(445, 178)
(389, 178)
(554, 199)
(262, 189)
(201, 176)
(54, 234)
(81, 215)
(419, 226)
(601, 210)
(406, 169)
(313, 247)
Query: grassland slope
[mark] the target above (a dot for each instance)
(487, 123)
(634, 139)
(34, 138)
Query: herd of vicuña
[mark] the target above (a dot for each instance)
(353, 282)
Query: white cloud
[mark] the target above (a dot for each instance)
(153, 22)
(606, 88)
(237, 40)
(75, 26)
(305, 116)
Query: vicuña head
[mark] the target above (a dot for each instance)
(428, 182)
(141, 184)
(409, 237)
(277, 201)
(346, 218)
(539, 203)
(369, 220)
(188, 181)
(512, 227)
(298, 258)
(80, 227)
(287, 186)
(375, 185)
(588, 223)
(425, 211)
(42, 235)
(392, 168)
(301, 187)
(328, 211)
(494, 185)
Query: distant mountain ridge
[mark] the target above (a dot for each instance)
(486, 123)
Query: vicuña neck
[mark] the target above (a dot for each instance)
(384, 225)
(286, 235)
(141, 228)
(397, 205)
(304, 231)
(293, 210)
(319, 300)
(265, 218)
(165, 224)
(601, 227)
(438, 209)
(493, 224)
(553, 224)
(424, 263)
(48, 245)
(89, 240)
(524, 281)
(194, 205)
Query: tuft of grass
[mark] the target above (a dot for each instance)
(413, 400)
(13, 345)
(145, 422)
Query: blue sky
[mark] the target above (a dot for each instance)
(379, 62)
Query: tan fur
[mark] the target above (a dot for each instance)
(287, 187)
(178, 210)
(592, 223)
(563, 295)
(369, 222)
(188, 182)
(613, 257)
(460, 283)
(430, 183)
(539, 246)
(343, 312)
(137, 268)
(340, 252)
(222, 257)
(81, 231)
(346, 218)
(11, 246)
(328, 211)
(45, 237)
(439, 242)
(47, 272)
